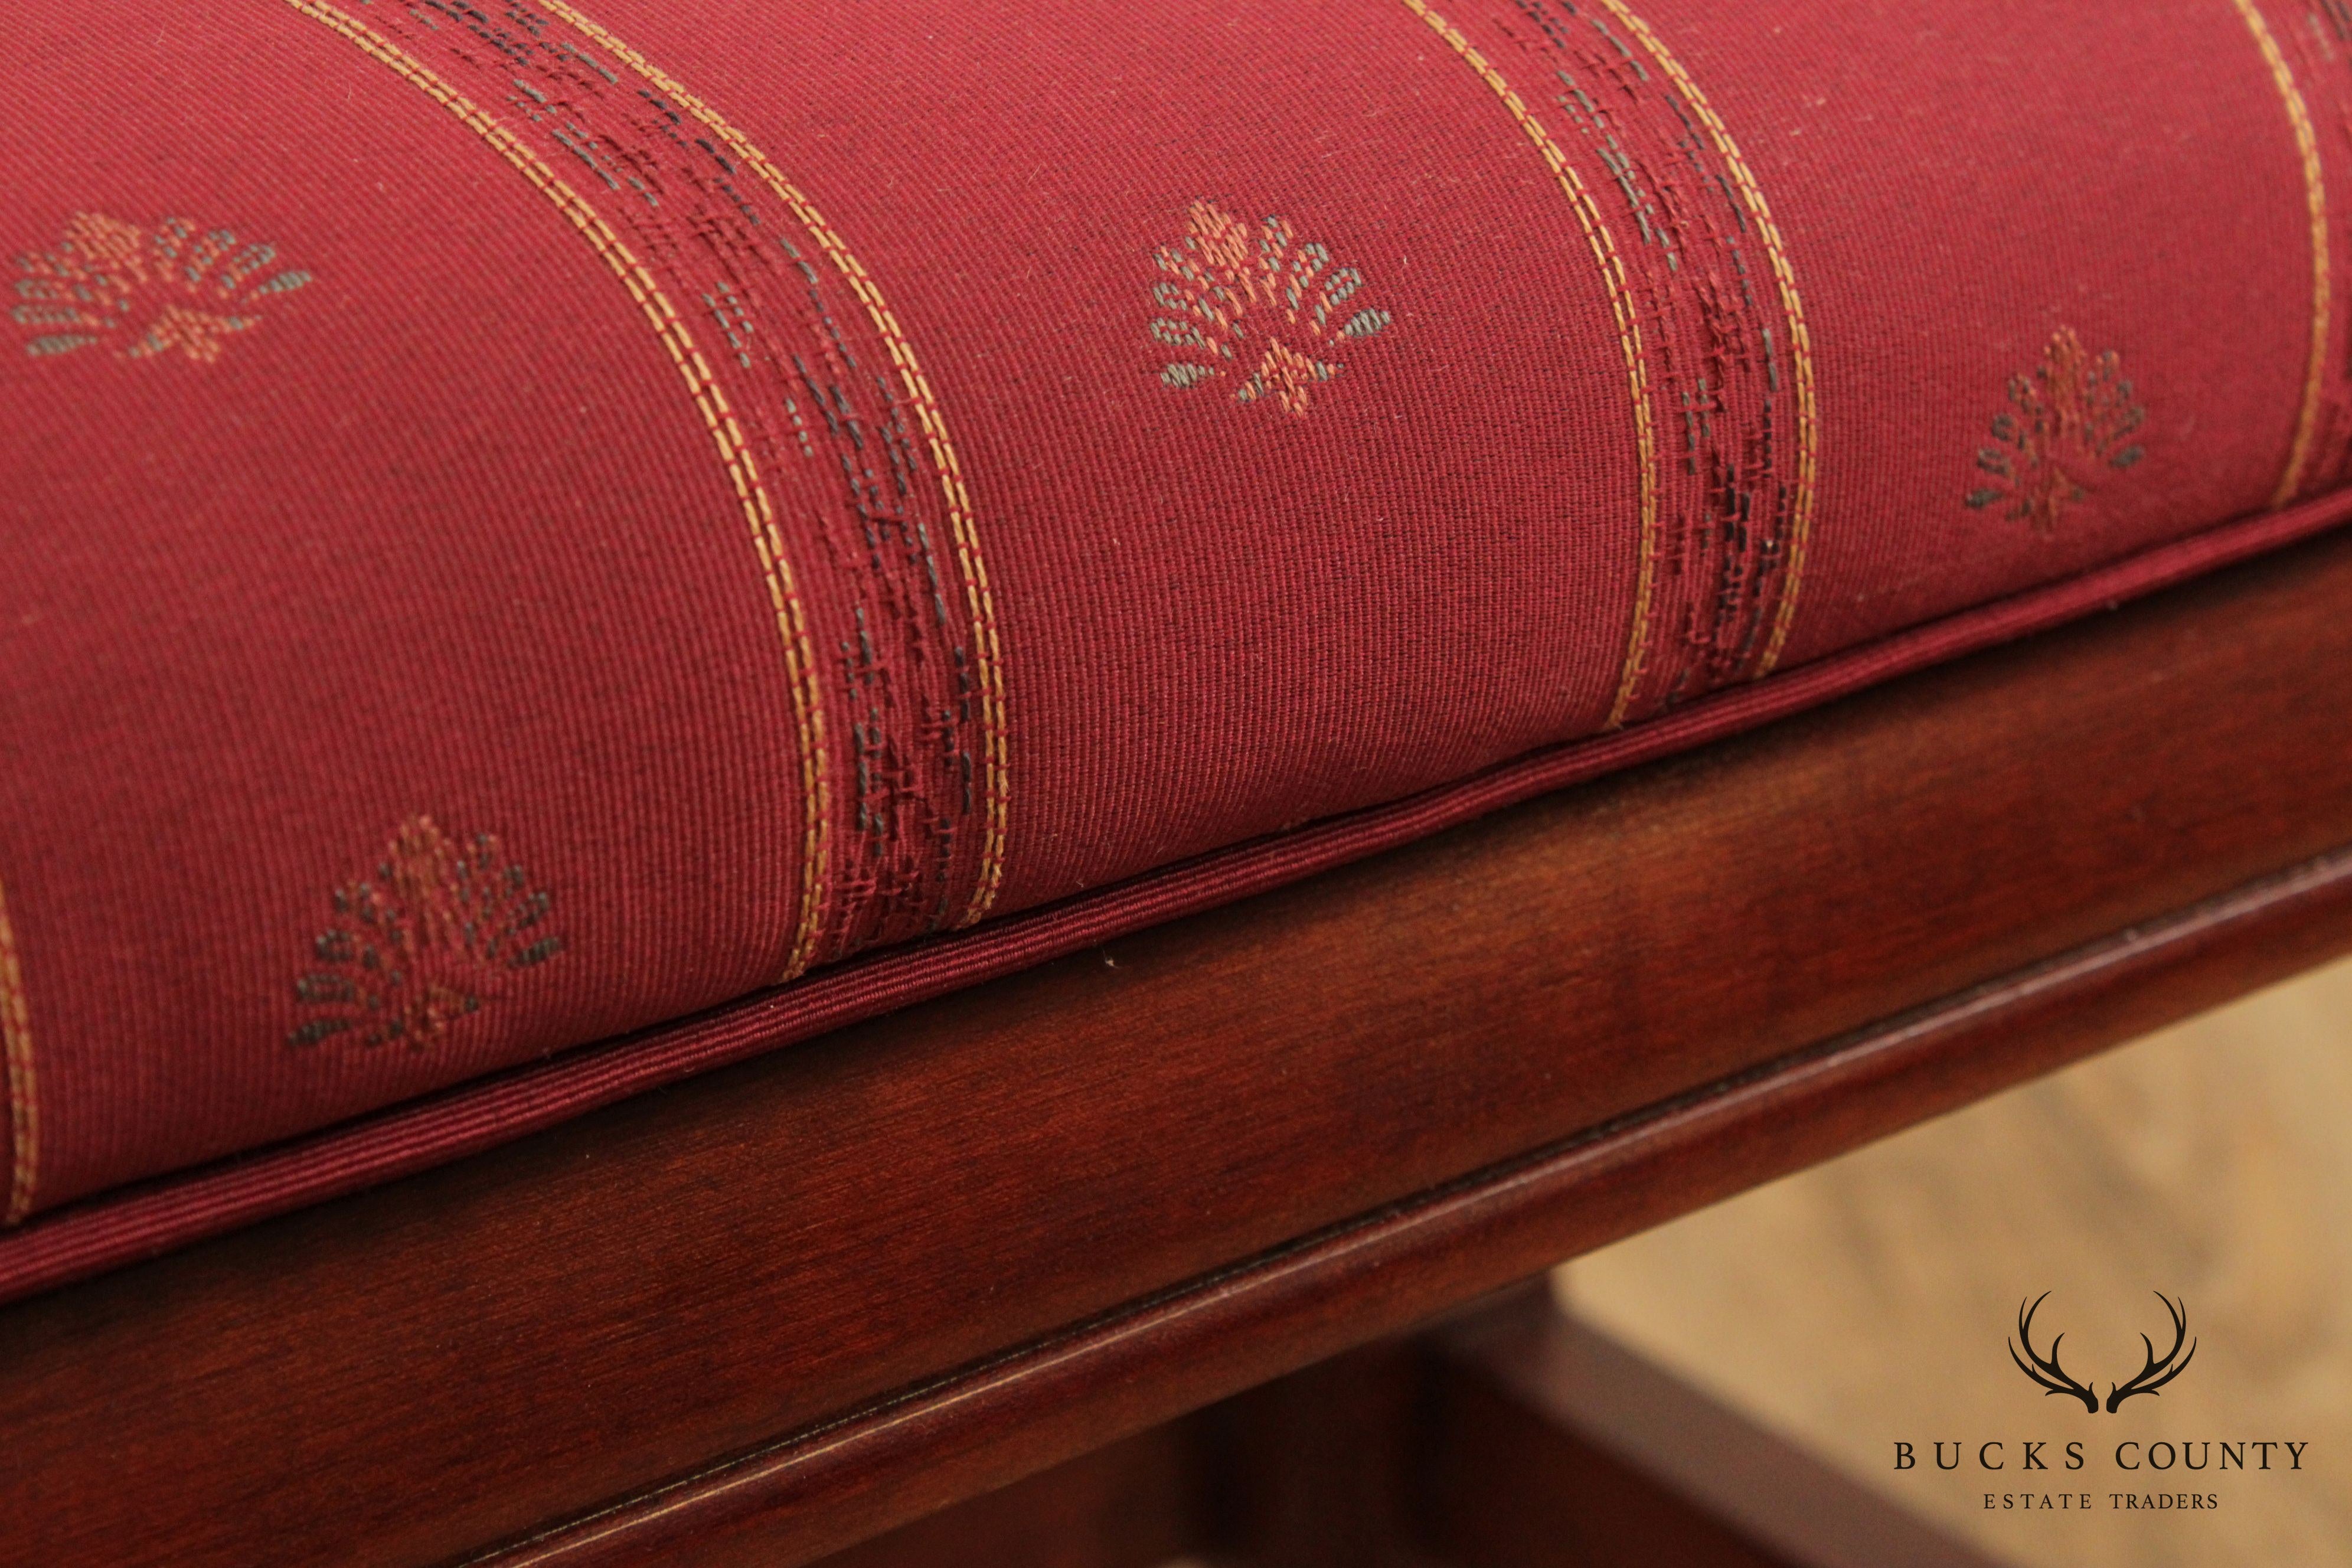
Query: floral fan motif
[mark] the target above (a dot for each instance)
(2069, 416)
(144, 291)
(434, 933)
(1256, 303)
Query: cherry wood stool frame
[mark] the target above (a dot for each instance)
(1111, 1260)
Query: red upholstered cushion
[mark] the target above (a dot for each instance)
(525, 524)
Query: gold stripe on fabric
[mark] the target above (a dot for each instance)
(978, 602)
(1629, 336)
(2314, 192)
(16, 1046)
(1801, 340)
(734, 453)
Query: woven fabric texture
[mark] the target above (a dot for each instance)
(527, 523)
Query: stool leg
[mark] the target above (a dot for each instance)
(1319, 1469)
(1552, 1445)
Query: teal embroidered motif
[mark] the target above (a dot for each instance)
(2067, 418)
(145, 291)
(1257, 304)
(434, 934)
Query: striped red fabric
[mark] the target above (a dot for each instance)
(529, 523)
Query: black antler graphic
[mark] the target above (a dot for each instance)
(2147, 1382)
(2048, 1374)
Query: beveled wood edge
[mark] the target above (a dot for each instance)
(1151, 1500)
(825, 1487)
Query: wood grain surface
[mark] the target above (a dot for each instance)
(771, 1311)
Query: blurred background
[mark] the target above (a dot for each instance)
(1868, 1300)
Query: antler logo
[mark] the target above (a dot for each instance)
(2054, 1378)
